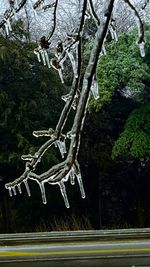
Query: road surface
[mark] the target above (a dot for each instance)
(102, 252)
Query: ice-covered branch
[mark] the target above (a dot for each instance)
(140, 27)
(55, 5)
(44, 42)
(87, 82)
(77, 98)
(37, 4)
(56, 137)
(145, 4)
(93, 13)
(10, 12)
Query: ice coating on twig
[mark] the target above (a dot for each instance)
(93, 13)
(94, 89)
(142, 50)
(73, 63)
(50, 132)
(75, 100)
(66, 97)
(38, 3)
(7, 25)
(28, 157)
(61, 75)
(113, 31)
(103, 50)
(62, 147)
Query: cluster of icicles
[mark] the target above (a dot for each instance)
(42, 55)
(11, 12)
(74, 173)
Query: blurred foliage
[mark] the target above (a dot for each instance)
(135, 139)
(28, 96)
(122, 68)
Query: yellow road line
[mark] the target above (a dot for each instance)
(84, 242)
(46, 253)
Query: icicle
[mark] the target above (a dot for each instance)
(55, 144)
(63, 144)
(94, 89)
(61, 75)
(10, 191)
(42, 188)
(64, 194)
(113, 33)
(43, 56)
(9, 25)
(103, 50)
(27, 187)
(6, 27)
(141, 47)
(72, 177)
(79, 178)
(19, 188)
(47, 59)
(62, 147)
(14, 190)
(115, 36)
(36, 52)
(73, 63)
(38, 56)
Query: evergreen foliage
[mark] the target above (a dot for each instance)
(122, 68)
(28, 96)
(125, 71)
(135, 139)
